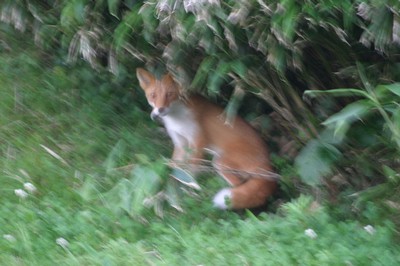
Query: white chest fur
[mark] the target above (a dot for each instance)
(181, 125)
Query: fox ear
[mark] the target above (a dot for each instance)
(167, 78)
(145, 78)
(169, 81)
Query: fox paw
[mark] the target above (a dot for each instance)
(222, 200)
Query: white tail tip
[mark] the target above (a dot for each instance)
(222, 199)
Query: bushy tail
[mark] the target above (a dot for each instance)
(253, 193)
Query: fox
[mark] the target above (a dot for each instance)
(196, 127)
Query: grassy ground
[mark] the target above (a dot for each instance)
(91, 161)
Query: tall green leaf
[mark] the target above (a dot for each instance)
(343, 92)
(394, 88)
(113, 7)
(352, 112)
(145, 182)
(315, 161)
(185, 178)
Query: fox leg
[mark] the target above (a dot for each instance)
(187, 157)
(196, 156)
(179, 155)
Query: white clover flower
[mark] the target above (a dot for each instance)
(9, 237)
(21, 193)
(310, 233)
(62, 242)
(30, 187)
(370, 229)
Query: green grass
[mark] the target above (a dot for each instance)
(70, 132)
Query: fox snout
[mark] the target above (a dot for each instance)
(163, 111)
(158, 113)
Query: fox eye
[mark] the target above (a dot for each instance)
(152, 95)
(169, 94)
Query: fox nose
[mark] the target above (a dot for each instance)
(154, 116)
(162, 111)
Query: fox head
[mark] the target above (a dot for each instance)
(160, 93)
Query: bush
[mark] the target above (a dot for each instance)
(274, 50)
(88, 153)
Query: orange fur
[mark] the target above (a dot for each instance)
(195, 124)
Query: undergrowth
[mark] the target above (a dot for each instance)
(62, 132)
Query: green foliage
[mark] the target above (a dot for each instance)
(375, 103)
(94, 160)
(344, 53)
(184, 177)
(317, 158)
(383, 98)
(233, 39)
(259, 45)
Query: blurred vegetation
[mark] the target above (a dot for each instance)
(320, 80)
(273, 51)
(91, 164)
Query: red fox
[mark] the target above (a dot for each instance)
(195, 125)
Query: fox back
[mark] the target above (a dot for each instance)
(196, 125)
